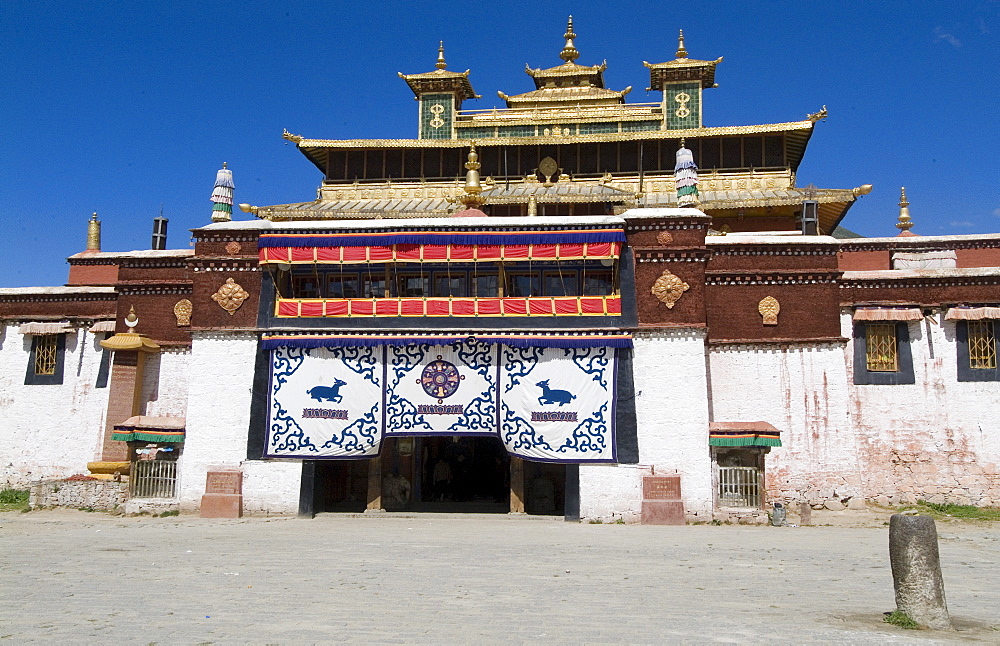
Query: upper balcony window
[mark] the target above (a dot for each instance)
(489, 271)
(976, 335)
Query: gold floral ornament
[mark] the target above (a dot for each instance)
(182, 310)
(233, 248)
(668, 288)
(769, 308)
(230, 296)
(664, 237)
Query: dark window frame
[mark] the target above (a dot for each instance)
(965, 370)
(904, 373)
(56, 378)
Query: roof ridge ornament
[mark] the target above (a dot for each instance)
(472, 197)
(569, 52)
(905, 223)
(441, 64)
(681, 52)
(816, 116)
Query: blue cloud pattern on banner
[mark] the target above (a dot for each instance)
(593, 361)
(481, 413)
(360, 435)
(520, 364)
(589, 434)
(286, 434)
(401, 411)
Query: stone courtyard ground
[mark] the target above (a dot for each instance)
(86, 577)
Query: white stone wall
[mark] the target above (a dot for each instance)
(49, 431)
(802, 390)
(165, 383)
(221, 372)
(672, 415)
(937, 439)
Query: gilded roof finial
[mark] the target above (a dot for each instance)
(905, 223)
(473, 189)
(94, 233)
(440, 62)
(569, 52)
(681, 52)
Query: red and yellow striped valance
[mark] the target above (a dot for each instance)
(396, 307)
(440, 253)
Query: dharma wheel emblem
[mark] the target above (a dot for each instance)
(230, 296)
(769, 308)
(440, 379)
(668, 288)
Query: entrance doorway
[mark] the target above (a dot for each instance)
(439, 474)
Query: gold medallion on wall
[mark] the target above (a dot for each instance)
(233, 248)
(230, 296)
(668, 288)
(769, 308)
(182, 311)
(664, 238)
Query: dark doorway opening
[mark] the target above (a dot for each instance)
(341, 485)
(463, 474)
(439, 474)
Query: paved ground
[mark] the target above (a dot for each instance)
(77, 577)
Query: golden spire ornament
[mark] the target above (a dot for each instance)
(569, 52)
(905, 223)
(440, 61)
(472, 197)
(681, 52)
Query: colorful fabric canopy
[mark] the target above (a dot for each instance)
(141, 428)
(888, 314)
(743, 434)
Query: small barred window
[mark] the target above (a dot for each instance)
(46, 354)
(882, 354)
(982, 345)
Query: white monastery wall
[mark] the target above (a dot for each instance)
(49, 431)
(671, 401)
(937, 439)
(802, 390)
(165, 383)
(218, 414)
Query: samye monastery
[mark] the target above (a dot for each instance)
(573, 305)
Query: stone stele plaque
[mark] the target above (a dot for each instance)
(661, 501)
(223, 494)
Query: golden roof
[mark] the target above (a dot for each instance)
(441, 80)
(305, 143)
(681, 68)
(578, 94)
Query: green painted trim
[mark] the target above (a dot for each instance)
(744, 441)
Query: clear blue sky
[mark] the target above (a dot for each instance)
(122, 107)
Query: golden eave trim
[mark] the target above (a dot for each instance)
(692, 133)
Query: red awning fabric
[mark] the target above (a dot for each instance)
(368, 307)
(972, 313)
(888, 314)
(440, 253)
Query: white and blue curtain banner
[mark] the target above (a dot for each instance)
(325, 402)
(441, 390)
(558, 404)
(545, 403)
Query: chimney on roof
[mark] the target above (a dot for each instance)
(94, 233)
(159, 232)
